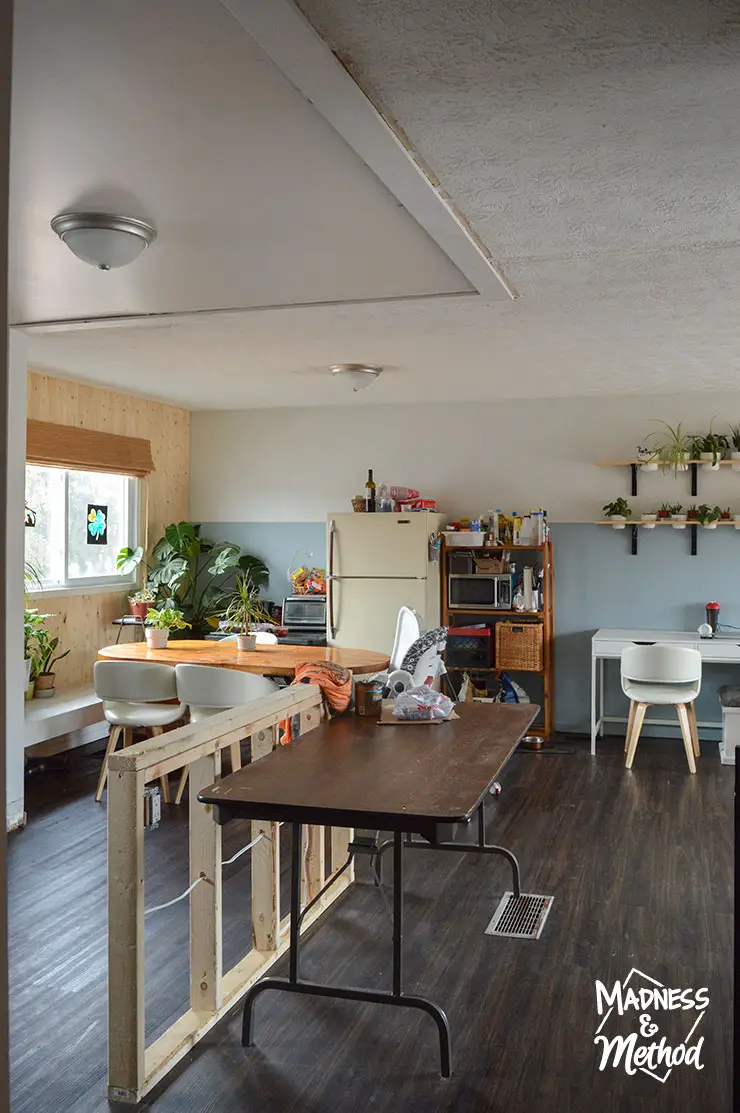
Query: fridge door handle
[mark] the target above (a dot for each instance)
(330, 581)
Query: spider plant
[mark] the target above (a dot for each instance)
(674, 447)
(245, 607)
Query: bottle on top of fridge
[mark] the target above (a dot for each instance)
(370, 493)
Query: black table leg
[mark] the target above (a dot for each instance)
(481, 847)
(397, 997)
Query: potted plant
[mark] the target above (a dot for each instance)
(726, 515)
(678, 516)
(674, 448)
(692, 513)
(45, 657)
(664, 512)
(648, 457)
(245, 608)
(709, 448)
(708, 516)
(32, 623)
(735, 446)
(618, 512)
(141, 601)
(159, 624)
(649, 519)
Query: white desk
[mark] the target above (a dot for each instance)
(608, 644)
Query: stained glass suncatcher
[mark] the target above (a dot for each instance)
(97, 524)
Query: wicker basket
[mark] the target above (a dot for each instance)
(519, 646)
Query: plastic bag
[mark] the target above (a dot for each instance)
(422, 704)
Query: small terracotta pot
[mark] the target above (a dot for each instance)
(45, 684)
(140, 610)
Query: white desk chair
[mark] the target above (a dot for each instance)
(134, 695)
(661, 675)
(408, 629)
(207, 690)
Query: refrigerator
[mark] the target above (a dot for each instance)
(378, 563)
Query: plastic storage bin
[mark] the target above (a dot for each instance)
(469, 647)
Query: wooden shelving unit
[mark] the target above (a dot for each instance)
(490, 616)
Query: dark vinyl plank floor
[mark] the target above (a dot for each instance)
(640, 865)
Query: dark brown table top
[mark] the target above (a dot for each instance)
(353, 771)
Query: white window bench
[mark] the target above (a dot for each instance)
(63, 722)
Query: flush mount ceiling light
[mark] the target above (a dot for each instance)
(104, 240)
(356, 375)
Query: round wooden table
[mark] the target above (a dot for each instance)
(268, 660)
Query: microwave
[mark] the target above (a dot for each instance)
(478, 591)
(304, 610)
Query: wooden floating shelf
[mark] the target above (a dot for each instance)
(663, 522)
(666, 467)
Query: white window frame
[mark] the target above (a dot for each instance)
(83, 585)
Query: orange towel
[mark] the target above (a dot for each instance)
(336, 688)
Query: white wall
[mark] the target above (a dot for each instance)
(14, 669)
(298, 464)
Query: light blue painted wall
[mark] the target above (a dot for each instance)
(597, 583)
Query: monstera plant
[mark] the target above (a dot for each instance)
(193, 574)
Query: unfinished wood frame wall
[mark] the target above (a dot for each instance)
(134, 1068)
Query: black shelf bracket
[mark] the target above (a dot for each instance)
(693, 529)
(634, 537)
(694, 488)
(633, 469)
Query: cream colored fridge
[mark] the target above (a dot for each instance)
(378, 563)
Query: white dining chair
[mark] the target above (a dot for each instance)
(661, 675)
(207, 690)
(408, 630)
(135, 694)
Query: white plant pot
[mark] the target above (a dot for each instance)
(156, 639)
(649, 465)
(710, 525)
(736, 520)
(708, 465)
(246, 642)
(28, 663)
(735, 456)
(649, 520)
(678, 521)
(618, 521)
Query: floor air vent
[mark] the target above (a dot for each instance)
(520, 917)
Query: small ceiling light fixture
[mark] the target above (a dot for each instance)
(356, 375)
(104, 240)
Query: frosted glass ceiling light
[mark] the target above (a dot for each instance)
(356, 375)
(104, 240)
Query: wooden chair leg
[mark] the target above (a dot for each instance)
(691, 708)
(164, 782)
(630, 721)
(128, 737)
(640, 709)
(112, 743)
(235, 753)
(688, 740)
(181, 786)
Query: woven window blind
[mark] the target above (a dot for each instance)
(68, 446)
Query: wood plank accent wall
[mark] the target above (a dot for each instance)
(84, 621)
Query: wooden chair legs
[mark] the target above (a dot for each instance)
(638, 715)
(164, 782)
(687, 720)
(691, 708)
(235, 754)
(181, 785)
(630, 721)
(112, 743)
(687, 733)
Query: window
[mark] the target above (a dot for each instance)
(82, 519)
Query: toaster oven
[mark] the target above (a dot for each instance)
(479, 592)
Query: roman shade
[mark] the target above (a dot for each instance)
(68, 446)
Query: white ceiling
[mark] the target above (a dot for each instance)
(593, 147)
(168, 110)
